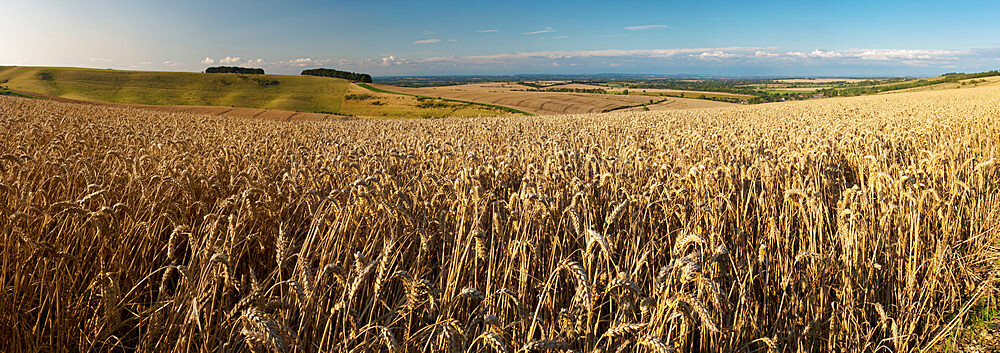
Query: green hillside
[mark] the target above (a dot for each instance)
(295, 93)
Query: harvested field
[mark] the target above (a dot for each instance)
(687, 93)
(366, 103)
(681, 103)
(864, 224)
(541, 103)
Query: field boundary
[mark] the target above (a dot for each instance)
(634, 106)
(508, 109)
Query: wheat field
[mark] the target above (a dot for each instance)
(856, 225)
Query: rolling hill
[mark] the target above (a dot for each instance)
(282, 95)
(280, 92)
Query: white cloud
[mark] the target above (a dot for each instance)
(101, 60)
(718, 54)
(229, 60)
(299, 62)
(559, 37)
(576, 54)
(391, 60)
(487, 30)
(819, 53)
(452, 40)
(643, 27)
(171, 63)
(546, 30)
(427, 33)
(208, 61)
(426, 41)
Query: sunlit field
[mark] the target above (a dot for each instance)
(856, 224)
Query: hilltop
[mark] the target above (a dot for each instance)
(294, 93)
(289, 93)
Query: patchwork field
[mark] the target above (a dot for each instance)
(823, 80)
(800, 89)
(653, 91)
(543, 103)
(846, 224)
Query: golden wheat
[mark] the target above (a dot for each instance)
(853, 225)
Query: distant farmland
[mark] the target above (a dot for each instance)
(543, 103)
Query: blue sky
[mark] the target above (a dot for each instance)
(782, 38)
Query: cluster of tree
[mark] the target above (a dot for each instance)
(532, 84)
(233, 70)
(263, 82)
(353, 76)
(359, 97)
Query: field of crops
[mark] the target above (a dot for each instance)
(861, 224)
(546, 103)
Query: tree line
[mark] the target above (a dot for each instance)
(948, 77)
(353, 76)
(233, 70)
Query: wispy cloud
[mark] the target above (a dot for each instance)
(546, 30)
(101, 60)
(487, 30)
(427, 33)
(643, 27)
(559, 37)
(426, 41)
(300, 62)
(734, 56)
(693, 59)
(612, 35)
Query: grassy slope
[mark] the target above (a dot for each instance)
(296, 93)
(979, 82)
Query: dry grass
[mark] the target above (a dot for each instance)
(865, 224)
